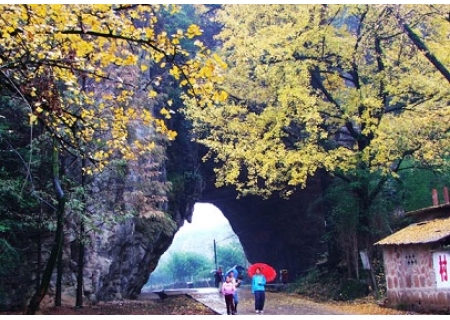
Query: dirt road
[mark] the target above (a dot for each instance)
(277, 303)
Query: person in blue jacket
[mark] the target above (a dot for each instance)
(259, 290)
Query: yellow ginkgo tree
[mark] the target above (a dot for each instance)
(47, 50)
(79, 68)
(353, 90)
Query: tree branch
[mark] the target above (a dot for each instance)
(423, 48)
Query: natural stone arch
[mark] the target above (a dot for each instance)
(285, 233)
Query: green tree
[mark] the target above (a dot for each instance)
(186, 266)
(9, 260)
(339, 88)
(161, 276)
(230, 255)
(413, 190)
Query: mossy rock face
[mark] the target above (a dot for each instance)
(352, 289)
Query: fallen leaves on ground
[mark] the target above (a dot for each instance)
(363, 306)
(174, 305)
(186, 305)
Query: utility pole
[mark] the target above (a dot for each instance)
(215, 254)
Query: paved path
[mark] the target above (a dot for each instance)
(277, 303)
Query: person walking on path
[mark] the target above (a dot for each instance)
(259, 290)
(218, 279)
(228, 290)
(237, 283)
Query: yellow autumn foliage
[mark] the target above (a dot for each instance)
(333, 87)
(78, 68)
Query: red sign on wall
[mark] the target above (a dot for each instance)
(441, 265)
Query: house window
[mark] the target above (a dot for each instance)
(411, 259)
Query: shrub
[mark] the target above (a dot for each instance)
(324, 285)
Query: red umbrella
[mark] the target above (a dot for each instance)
(266, 270)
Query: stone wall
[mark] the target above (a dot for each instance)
(411, 279)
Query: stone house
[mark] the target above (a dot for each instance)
(417, 261)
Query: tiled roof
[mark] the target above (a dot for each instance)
(441, 210)
(422, 232)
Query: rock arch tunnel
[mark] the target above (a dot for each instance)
(286, 234)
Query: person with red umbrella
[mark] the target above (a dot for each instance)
(267, 270)
(259, 290)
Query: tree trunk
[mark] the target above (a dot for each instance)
(79, 296)
(59, 279)
(35, 301)
(356, 256)
(79, 299)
